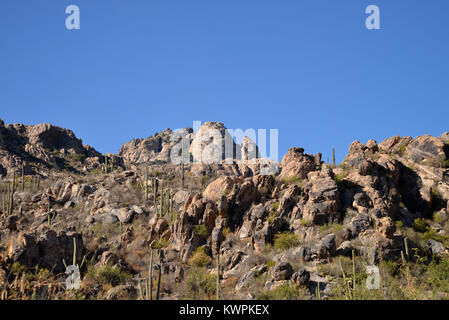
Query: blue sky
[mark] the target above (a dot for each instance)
(308, 68)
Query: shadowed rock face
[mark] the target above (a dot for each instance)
(43, 146)
(48, 251)
(54, 138)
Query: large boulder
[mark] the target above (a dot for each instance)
(213, 143)
(301, 277)
(297, 164)
(437, 249)
(281, 271)
(219, 187)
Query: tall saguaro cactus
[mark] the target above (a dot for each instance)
(150, 276)
(155, 185)
(23, 178)
(146, 183)
(11, 195)
(333, 158)
(218, 276)
(106, 169)
(182, 174)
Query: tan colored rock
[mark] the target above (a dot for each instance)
(395, 144)
(219, 187)
(372, 145)
(214, 143)
(386, 227)
(156, 147)
(297, 164)
(356, 147)
(323, 198)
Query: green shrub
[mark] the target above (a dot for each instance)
(112, 275)
(431, 234)
(201, 230)
(264, 191)
(331, 228)
(199, 258)
(285, 291)
(271, 217)
(226, 232)
(401, 149)
(440, 218)
(341, 176)
(199, 284)
(270, 264)
(390, 267)
(437, 276)
(17, 269)
(106, 230)
(292, 180)
(160, 244)
(286, 240)
(157, 174)
(420, 225)
(305, 223)
(77, 157)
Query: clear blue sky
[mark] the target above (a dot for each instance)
(308, 68)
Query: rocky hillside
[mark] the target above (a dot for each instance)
(135, 220)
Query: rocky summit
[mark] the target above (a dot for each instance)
(137, 225)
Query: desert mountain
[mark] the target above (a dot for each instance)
(125, 219)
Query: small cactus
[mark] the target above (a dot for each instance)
(50, 217)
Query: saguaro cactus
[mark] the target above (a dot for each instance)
(155, 185)
(11, 195)
(50, 217)
(150, 275)
(23, 178)
(106, 165)
(353, 275)
(182, 174)
(161, 202)
(158, 289)
(333, 158)
(146, 183)
(170, 202)
(218, 276)
(407, 253)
